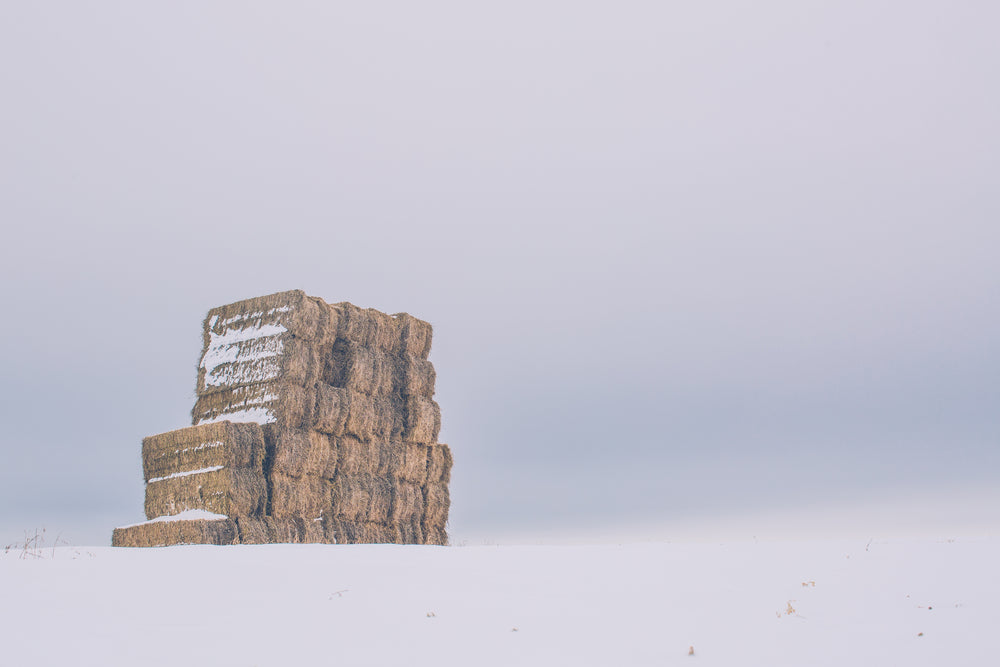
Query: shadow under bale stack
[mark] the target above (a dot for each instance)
(313, 422)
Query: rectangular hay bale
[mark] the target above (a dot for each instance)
(415, 335)
(299, 452)
(407, 503)
(196, 447)
(229, 491)
(168, 533)
(439, 462)
(360, 532)
(357, 457)
(307, 496)
(422, 420)
(286, 405)
(437, 501)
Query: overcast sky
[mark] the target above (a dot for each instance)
(682, 260)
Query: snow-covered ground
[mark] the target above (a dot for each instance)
(809, 602)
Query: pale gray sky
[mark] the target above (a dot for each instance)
(682, 259)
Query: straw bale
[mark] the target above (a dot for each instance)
(368, 327)
(330, 414)
(360, 532)
(408, 461)
(355, 457)
(285, 405)
(407, 503)
(252, 530)
(372, 416)
(423, 420)
(439, 463)
(408, 532)
(436, 504)
(196, 447)
(167, 533)
(435, 535)
(297, 313)
(307, 496)
(417, 376)
(361, 498)
(289, 530)
(237, 363)
(381, 499)
(229, 491)
(351, 497)
(359, 368)
(414, 335)
(299, 452)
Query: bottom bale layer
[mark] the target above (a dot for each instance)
(287, 530)
(435, 535)
(167, 533)
(361, 532)
(409, 532)
(293, 497)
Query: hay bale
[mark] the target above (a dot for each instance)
(330, 413)
(357, 368)
(252, 530)
(298, 453)
(351, 497)
(437, 501)
(381, 499)
(417, 376)
(229, 491)
(196, 447)
(439, 462)
(161, 533)
(292, 311)
(435, 535)
(361, 498)
(307, 497)
(234, 362)
(423, 420)
(287, 406)
(408, 532)
(360, 532)
(407, 503)
(356, 457)
(371, 417)
(368, 327)
(408, 461)
(414, 335)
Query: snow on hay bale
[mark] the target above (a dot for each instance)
(229, 491)
(192, 527)
(286, 405)
(197, 447)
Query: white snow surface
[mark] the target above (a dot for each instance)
(186, 515)
(821, 602)
(186, 473)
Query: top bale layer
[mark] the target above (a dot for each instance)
(302, 316)
(270, 337)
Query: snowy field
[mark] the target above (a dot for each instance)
(812, 602)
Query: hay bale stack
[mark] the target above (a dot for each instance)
(313, 422)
